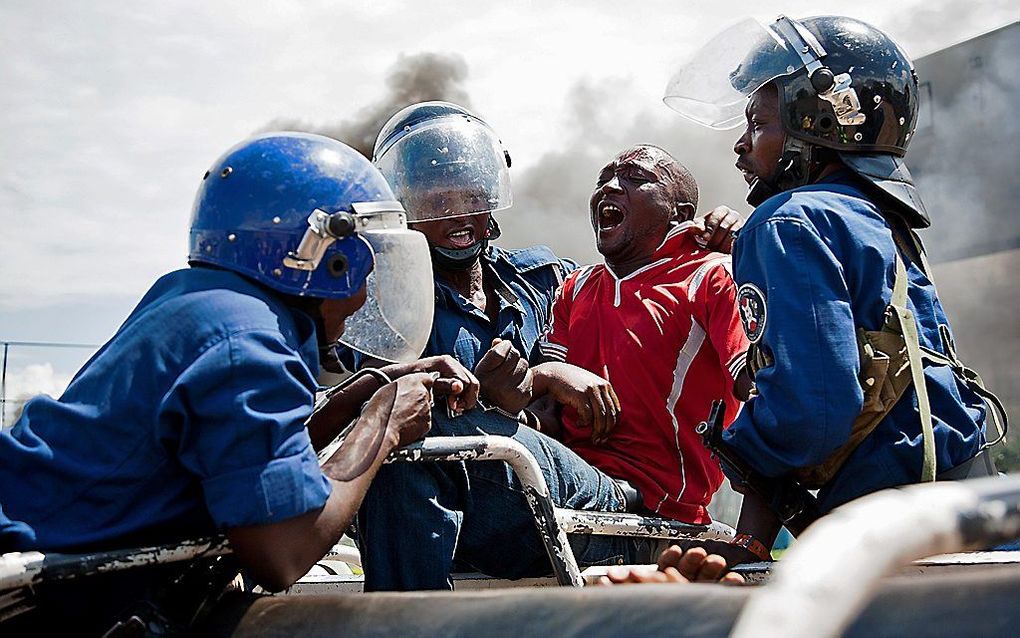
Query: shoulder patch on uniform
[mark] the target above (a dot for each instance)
(753, 312)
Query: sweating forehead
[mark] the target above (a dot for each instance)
(680, 182)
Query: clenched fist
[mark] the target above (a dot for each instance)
(505, 377)
(404, 407)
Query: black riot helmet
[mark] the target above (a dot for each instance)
(843, 85)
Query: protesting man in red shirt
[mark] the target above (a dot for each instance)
(659, 322)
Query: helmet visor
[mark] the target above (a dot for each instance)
(395, 322)
(447, 167)
(712, 87)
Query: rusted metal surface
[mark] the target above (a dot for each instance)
(525, 466)
(20, 569)
(621, 524)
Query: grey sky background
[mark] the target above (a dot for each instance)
(110, 112)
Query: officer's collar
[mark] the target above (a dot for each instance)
(838, 176)
(447, 296)
(308, 338)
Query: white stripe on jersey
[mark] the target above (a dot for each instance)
(552, 351)
(737, 365)
(684, 359)
(702, 272)
(581, 278)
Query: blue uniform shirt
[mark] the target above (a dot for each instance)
(189, 420)
(822, 256)
(526, 282)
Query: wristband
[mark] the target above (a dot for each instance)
(753, 545)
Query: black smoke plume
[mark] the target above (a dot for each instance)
(413, 78)
(551, 195)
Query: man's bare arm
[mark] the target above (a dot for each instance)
(592, 396)
(277, 554)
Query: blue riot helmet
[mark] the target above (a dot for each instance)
(444, 161)
(308, 216)
(843, 85)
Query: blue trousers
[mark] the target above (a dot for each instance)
(419, 520)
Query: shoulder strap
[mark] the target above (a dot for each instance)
(908, 326)
(913, 251)
(917, 353)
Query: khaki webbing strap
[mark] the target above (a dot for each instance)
(970, 377)
(909, 328)
(972, 380)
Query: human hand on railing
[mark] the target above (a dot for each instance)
(676, 566)
(458, 384)
(405, 406)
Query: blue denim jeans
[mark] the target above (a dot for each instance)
(420, 519)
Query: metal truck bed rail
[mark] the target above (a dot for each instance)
(834, 570)
(622, 524)
(525, 466)
(551, 522)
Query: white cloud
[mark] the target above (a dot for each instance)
(111, 112)
(30, 381)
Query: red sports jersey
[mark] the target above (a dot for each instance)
(668, 337)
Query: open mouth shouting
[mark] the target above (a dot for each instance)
(608, 217)
(463, 237)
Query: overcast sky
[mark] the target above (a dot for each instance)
(110, 112)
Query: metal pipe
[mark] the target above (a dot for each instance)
(49, 344)
(828, 577)
(620, 524)
(525, 466)
(19, 569)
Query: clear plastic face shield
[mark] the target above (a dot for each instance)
(712, 87)
(395, 322)
(450, 166)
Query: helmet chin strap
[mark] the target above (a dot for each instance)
(798, 165)
(458, 259)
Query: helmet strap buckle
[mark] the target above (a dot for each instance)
(843, 98)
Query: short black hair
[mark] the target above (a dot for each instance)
(684, 187)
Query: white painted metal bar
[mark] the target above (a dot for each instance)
(623, 524)
(832, 572)
(525, 466)
(18, 569)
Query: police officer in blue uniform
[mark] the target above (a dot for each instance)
(857, 384)
(450, 171)
(191, 420)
